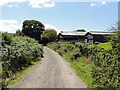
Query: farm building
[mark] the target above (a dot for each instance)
(89, 37)
(72, 36)
(92, 37)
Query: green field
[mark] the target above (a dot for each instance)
(106, 45)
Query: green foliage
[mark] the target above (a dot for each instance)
(106, 70)
(18, 55)
(19, 33)
(105, 73)
(33, 28)
(49, 35)
(6, 38)
(114, 40)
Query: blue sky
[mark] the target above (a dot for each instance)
(91, 16)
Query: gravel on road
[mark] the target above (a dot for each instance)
(51, 72)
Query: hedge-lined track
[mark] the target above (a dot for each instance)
(52, 72)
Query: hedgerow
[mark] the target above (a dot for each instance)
(105, 72)
(17, 55)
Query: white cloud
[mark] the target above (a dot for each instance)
(98, 4)
(3, 2)
(48, 26)
(12, 5)
(32, 3)
(93, 5)
(9, 26)
(41, 3)
(104, 2)
(52, 4)
(36, 6)
(9, 21)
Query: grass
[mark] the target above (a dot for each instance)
(21, 74)
(106, 45)
(82, 69)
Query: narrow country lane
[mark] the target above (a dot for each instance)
(52, 72)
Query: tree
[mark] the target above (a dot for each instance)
(19, 33)
(49, 35)
(81, 30)
(33, 28)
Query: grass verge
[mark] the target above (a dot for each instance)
(81, 67)
(21, 74)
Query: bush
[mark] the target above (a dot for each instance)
(18, 55)
(6, 38)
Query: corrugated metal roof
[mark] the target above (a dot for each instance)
(101, 33)
(84, 33)
(74, 33)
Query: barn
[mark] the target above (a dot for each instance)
(88, 37)
(72, 36)
(92, 37)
